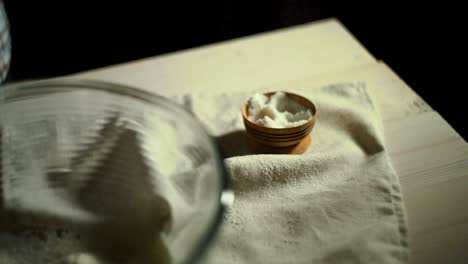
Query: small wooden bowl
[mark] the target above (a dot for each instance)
(280, 137)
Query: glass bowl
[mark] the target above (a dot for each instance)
(104, 172)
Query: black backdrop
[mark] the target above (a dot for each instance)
(423, 43)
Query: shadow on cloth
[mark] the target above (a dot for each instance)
(233, 144)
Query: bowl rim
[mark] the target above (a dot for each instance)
(288, 130)
(23, 89)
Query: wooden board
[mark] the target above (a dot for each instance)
(432, 162)
(430, 157)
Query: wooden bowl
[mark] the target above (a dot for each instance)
(280, 137)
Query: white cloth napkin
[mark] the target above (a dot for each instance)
(340, 202)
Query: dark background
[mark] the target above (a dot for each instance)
(421, 43)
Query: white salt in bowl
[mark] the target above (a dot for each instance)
(280, 137)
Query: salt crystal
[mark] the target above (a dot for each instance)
(278, 111)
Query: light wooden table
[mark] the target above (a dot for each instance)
(429, 156)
